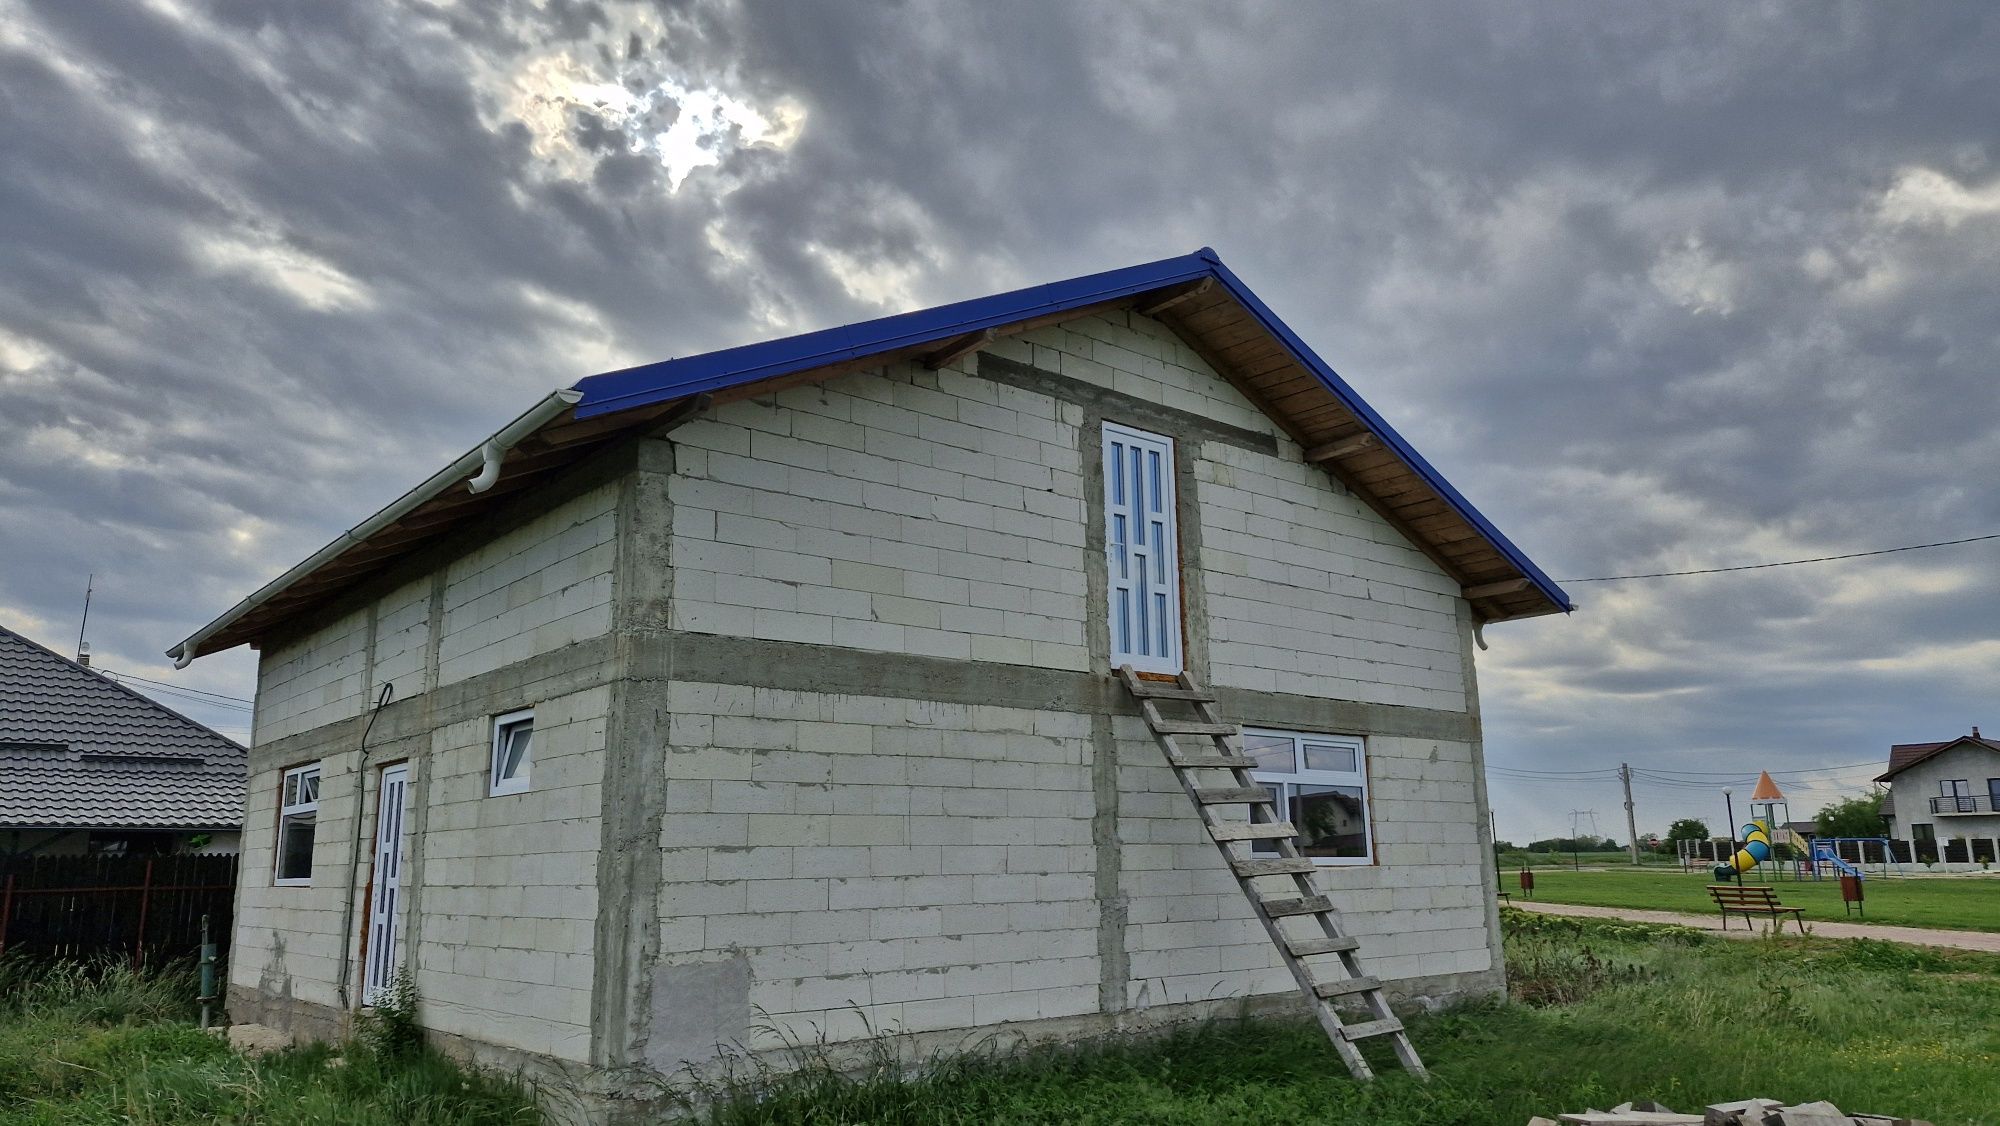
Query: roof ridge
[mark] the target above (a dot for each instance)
(101, 678)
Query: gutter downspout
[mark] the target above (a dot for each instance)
(480, 464)
(354, 846)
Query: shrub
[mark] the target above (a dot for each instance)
(392, 1031)
(1516, 922)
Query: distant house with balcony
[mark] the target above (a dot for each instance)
(1944, 798)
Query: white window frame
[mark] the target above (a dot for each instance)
(1138, 595)
(503, 726)
(290, 807)
(1301, 776)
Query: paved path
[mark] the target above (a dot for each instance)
(1916, 936)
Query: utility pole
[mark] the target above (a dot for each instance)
(1631, 826)
(1576, 817)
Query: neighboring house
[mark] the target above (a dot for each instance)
(90, 766)
(767, 695)
(1943, 792)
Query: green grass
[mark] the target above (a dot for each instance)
(83, 1046)
(1643, 1013)
(1961, 903)
(1607, 1011)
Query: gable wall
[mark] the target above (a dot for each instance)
(944, 514)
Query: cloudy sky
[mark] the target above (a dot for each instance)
(1660, 286)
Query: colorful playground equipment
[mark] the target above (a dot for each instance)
(1825, 857)
(1818, 857)
(1757, 832)
(1756, 849)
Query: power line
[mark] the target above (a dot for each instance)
(119, 675)
(183, 696)
(1773, 773)
(1783, 563)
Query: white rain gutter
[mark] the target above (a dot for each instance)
(478, 467)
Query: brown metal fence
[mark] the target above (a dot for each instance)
(148, 908)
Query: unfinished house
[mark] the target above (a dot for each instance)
(779, 693)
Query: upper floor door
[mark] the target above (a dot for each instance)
(1141, 550)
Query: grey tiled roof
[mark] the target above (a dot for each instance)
(78, 750)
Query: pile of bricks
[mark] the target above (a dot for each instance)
(1749, 1112)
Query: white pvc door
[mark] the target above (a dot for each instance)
(385, 925)
(1141, 551)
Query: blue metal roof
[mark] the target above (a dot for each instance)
(733, 367)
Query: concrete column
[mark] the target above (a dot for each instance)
(1489, 864)
(629, 861)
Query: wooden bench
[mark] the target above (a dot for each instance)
(1753, 900)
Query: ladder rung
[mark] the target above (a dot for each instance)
(1252, 831)
(1213, 762)
(1236, 795)
(1353, 1032)
(1307, 947)
(1193, 727)
(1312, 905)
(1290, 866)
(1343, 988)
(1154, 690)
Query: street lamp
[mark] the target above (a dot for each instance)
(1729, 804)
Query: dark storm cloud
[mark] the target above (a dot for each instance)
(1660, 287)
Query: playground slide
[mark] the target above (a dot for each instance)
(1827, 855)
(1756, 849)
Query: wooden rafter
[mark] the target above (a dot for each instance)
(959, 348)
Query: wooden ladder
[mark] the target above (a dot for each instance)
(1310, 947)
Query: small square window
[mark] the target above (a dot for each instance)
(298, 816)
(513, 751)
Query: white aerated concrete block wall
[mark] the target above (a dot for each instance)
(881, 863)
(533, 590)
(1420, 911)
(529, 591)
(914, 512)
(509, 899)
(1311, 593)
(314, 680)
(1141, 357)
(402, 637)
(286, 940)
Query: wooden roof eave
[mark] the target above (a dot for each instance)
(1345, 448)
(534, 460)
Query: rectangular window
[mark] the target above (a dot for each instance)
(1955, 796)
(298, 814)
(1320, 783)
(1993, 795)
(513, 751)
(1923, 832)
(1142, 550)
